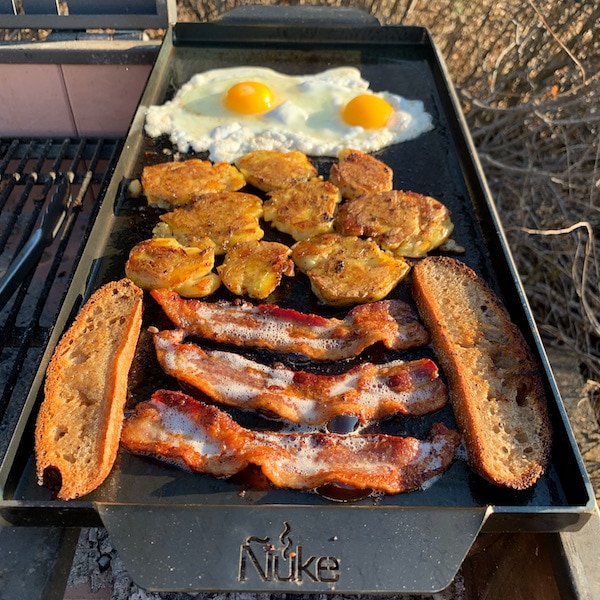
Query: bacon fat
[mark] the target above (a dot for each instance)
(367, 391)
(392, 322)
(176, 428)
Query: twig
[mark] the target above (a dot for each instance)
(590, 313)
(558, 41)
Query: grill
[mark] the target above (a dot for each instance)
(28, 170)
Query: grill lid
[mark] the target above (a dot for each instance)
(86, 14)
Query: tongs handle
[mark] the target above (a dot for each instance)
(44, 234)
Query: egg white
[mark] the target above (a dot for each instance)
(306, 116)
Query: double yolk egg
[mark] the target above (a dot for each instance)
(229, 112)
(255, 98)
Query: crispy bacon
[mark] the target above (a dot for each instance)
(367, 391)
(176, 428)
(392, 322)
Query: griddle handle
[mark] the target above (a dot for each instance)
(258, 14)
(274, 548)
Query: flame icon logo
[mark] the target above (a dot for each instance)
(285, 540)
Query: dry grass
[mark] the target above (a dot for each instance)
(530, 85)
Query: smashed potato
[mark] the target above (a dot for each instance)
(165, 263)
(227, 218)
(172, 184)
(303, 210)
(255, 268)
(407, 223)
(269, 170)
(345, 270)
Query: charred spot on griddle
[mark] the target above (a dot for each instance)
(52, 479)
(145, 374)
(154, 315)
(268, 414)
(142, 220)
(252, 478)
(343, 424)
(195, 393)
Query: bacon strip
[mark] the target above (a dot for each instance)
(392, 322)
(178, 429)
(368, 391)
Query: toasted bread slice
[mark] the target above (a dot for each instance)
(79, 424)
(496, 390)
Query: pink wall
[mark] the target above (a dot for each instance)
(69, 99)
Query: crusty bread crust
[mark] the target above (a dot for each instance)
(496, 389)
(79, 424)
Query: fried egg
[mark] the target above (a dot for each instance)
(229, 112)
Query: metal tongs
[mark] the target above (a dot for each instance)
(51, 220)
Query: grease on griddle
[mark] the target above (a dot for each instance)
(338, 492)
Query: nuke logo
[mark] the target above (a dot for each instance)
(283, 561)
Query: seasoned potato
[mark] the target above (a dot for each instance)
(255, 268)
(303, 210)
(165, 263)
(225, 217)
(407, 223)
(346, 270)
(270, 170)
(172, 184)
(357, 173)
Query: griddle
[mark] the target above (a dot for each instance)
(181, 531)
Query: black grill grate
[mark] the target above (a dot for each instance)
(28, 168)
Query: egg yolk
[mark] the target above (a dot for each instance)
(367, 111)
(249, 98)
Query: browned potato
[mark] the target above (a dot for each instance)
(172, 184)
(225, 217)
(270, 170)
(303, 210)
(358, 173)
(345, 270)
(165, 263)
(255, 268)
(407, 223)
